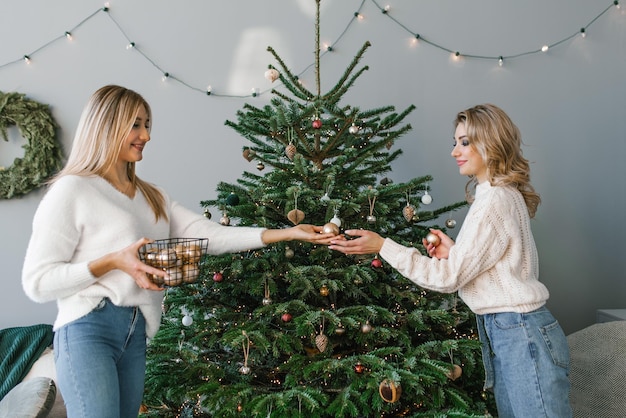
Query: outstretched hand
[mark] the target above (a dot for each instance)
(368, 242)
(311, 233)
(442, 249)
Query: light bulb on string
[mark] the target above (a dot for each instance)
(616, 3)
(386, 9)
(208, 90)
(545, 48)
(165, 77)
(255, 91)
(68, 35)
(582, 32)
(130, 45)
(26, 59)
(500, 61)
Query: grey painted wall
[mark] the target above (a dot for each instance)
(570, 104)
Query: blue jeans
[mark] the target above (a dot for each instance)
(526, 359)
(101, 362)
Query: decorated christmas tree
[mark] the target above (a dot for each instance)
(295, 329)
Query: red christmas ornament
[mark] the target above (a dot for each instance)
(376, 263)
(317, 123)
(218, 277)
(286, 317)
(359, 368)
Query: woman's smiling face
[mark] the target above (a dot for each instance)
(468, 160)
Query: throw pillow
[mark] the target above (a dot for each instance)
(29, 399)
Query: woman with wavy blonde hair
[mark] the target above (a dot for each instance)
(83, 253)
(494, 267)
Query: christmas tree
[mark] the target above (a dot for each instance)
(295, 329)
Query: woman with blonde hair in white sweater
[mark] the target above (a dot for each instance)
(494, 267)
(83, 253)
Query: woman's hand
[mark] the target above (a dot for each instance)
(442, 249)
(301, 232)
(128, 261)
(368, 242)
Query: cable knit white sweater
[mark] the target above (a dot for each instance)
(81, 219)
(493, 264)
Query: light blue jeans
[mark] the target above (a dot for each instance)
(526, 360)
(101, 362)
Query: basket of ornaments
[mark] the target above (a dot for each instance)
(178, 257)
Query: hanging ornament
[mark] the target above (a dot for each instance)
(260, 166)
(330, 228)
(372, 201)
(187, 320)
(450, 223)
(324, 291)
(218, 277)
(266, 298)
(246, 352)
(289, 252)
(390, 391)
(408, 212)
(354, 129)
(321, 341)
(225, 220)
(286, 317)
(325, 198)
(272, 74)
(340, 330)
(317, 123)
(385, 181)
(248, 154)
(295, 215)
(207, 214)
(290, 151)
(232, 199)
(427, 199)
(239, 407)
(335, 219)
(433, 239)
(366, 328)
(359, 368)
(377, 263)
(455, 372)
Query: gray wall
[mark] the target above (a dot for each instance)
(570, 104)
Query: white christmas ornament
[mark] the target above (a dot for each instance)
(187, 320)
(272, 74)
(427, 199)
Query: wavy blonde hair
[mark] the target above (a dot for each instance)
(498, 141)
(104, 125)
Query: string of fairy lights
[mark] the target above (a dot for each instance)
(357, 16)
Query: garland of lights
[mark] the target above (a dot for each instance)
(42, 156)
(165, 75)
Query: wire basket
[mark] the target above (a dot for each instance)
(178, 257)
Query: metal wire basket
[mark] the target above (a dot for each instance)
(178, 257)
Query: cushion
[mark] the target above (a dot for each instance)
(44, 366)
(598, 367)
(29, 399)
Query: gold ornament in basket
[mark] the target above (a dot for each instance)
(178, 257)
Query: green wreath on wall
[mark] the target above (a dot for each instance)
(42, 156)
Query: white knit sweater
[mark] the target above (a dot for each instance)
(493, 264)
(83, 218)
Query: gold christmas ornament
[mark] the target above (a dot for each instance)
(330, 228)
(390, 391)
(433, 239)
(248, 154)
(324, 290)
(225, 220)
(366, 328)
(295, 216)
(290, 151)
(408, 212)
(321, 342)
(455, 372)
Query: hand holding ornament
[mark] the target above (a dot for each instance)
(366, 242)
(437, 244)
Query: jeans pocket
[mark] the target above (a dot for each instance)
(556, 342)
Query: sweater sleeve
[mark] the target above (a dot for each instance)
(222, 239)
(48, 272)
(481, 244)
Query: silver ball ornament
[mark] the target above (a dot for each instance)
(450, 223)
(433, 239)
(187, 320)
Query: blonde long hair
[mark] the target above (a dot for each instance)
(498, 141)
(104, 125)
